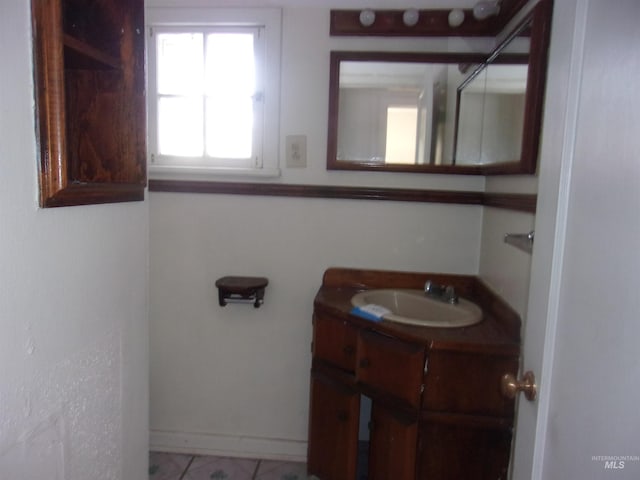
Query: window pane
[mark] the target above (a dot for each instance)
(180, 63)
(230, 85)
(180, 126)
(230, 64)
(229, 127)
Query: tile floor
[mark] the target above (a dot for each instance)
(175, 466)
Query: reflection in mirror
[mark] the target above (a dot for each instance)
(441, 112)
(393, 113)
(430, 113)
(490, 118)
(397, 110)
(470, 110)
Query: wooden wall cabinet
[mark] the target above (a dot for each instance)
(90, 105)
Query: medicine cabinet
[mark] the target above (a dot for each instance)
(89, 96)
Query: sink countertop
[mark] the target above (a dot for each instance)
(498, 332)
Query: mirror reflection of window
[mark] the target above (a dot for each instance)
(402, 124)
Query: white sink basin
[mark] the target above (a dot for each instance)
(414, 308)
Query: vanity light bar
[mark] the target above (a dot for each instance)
(412, 22)
(370, 22)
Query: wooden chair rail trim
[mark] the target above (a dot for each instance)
(511, 201)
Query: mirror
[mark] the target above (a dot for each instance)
(490, 115)
(440, 112)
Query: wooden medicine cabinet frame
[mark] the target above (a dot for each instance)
(89, 100)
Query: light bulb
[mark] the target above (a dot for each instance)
(367, 17)
(410, 17)
(456, 17)
(484, 10)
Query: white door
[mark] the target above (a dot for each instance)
(583, 319)
(555, 160)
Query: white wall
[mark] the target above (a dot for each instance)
(504, 267)
(73, 308)
(235, 380)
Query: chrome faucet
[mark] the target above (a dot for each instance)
(444, 293)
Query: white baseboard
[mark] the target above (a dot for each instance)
(228, 445)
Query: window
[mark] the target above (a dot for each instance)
(213, 93)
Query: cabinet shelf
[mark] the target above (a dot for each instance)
(81, 55)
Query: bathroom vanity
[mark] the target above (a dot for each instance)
(437, 409)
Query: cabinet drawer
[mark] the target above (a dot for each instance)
(334, 341)
(391, 366)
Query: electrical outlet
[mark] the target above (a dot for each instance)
(296, 151)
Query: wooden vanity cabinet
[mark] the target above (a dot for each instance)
(350, 361)
(437, 413)
(89, 95)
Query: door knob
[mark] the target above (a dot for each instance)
(510, 386)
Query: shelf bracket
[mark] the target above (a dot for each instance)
(522, 241)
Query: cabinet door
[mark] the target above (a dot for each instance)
(393, 442)
(462, 450)
(391, 367)
(333, 430)
(469, 383)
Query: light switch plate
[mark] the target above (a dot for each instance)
(296, 151)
